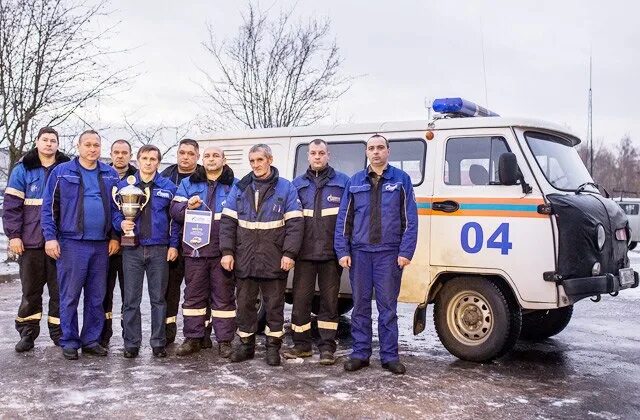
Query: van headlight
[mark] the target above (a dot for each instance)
(601, 237)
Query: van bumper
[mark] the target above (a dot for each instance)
(591, 286)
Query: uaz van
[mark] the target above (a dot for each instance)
(631, 207)
(512, 229)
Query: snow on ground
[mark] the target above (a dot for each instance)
(590, 370)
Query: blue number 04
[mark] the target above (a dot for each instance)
(498, 239)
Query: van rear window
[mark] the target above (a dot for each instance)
(630, 208)
(349, 158)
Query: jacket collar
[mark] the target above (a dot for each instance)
(386, 173)
(102, 167)
(248, 179)
(131, 170)
(31, 160)
(200, 175)
(154, 181)
(310, 174)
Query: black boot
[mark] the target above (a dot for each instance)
(206, 342)
(245, 350)
(170, 332)
(273, 350)
(224, 349)
(189, 346)
(25, 344)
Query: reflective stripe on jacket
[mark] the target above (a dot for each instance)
(320, 209)
(23, 199)
(259, 238)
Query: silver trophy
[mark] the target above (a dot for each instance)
(130, 201)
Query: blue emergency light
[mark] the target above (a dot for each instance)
(461, 108)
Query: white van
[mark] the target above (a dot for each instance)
(631, 207)
(512, 230)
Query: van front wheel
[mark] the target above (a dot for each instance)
(475, 320)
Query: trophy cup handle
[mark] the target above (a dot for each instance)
(114, 195)
(147, 194)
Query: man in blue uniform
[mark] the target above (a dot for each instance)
(21, 220)
(260, 235)
(207, 284)
(375, 237)
(120, 161)
(156, 247)
(76, 222)
(320, 190)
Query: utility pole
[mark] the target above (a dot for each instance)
(428, 103)
(590, 121)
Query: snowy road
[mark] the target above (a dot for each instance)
(591, 370)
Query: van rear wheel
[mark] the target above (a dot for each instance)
(475, 319)
(632, 245)
(538, 325)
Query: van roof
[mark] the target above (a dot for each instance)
(390, 126)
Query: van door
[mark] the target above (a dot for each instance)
(480, 226)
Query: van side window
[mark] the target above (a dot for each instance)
(409, 155)
(473, 160)
(348, 158)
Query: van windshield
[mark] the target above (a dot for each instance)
(559, 161)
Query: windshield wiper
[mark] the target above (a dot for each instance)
(583, 185)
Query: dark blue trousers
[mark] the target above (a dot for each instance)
(82, 265)
(138, 261)
(377, 271)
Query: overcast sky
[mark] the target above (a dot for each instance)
(536, 55)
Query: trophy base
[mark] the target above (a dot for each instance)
(129, 241)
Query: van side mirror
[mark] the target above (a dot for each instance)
(509, 173)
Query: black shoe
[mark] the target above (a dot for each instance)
(25, 344)
(327, 358)
(189, 346)
(396, 367)
(245, 350)
(297, 352)
(131, 353)
(206, 343)
(159, 352)
(96, 350)
(273, 345)
(224, 349)
(104, 343)
(56, 341)
(351, 365)
(70, 354)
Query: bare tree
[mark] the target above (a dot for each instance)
(166, 137)
(53, 59)
(274, 73)
(615, 167)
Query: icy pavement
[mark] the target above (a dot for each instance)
(591, 370)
